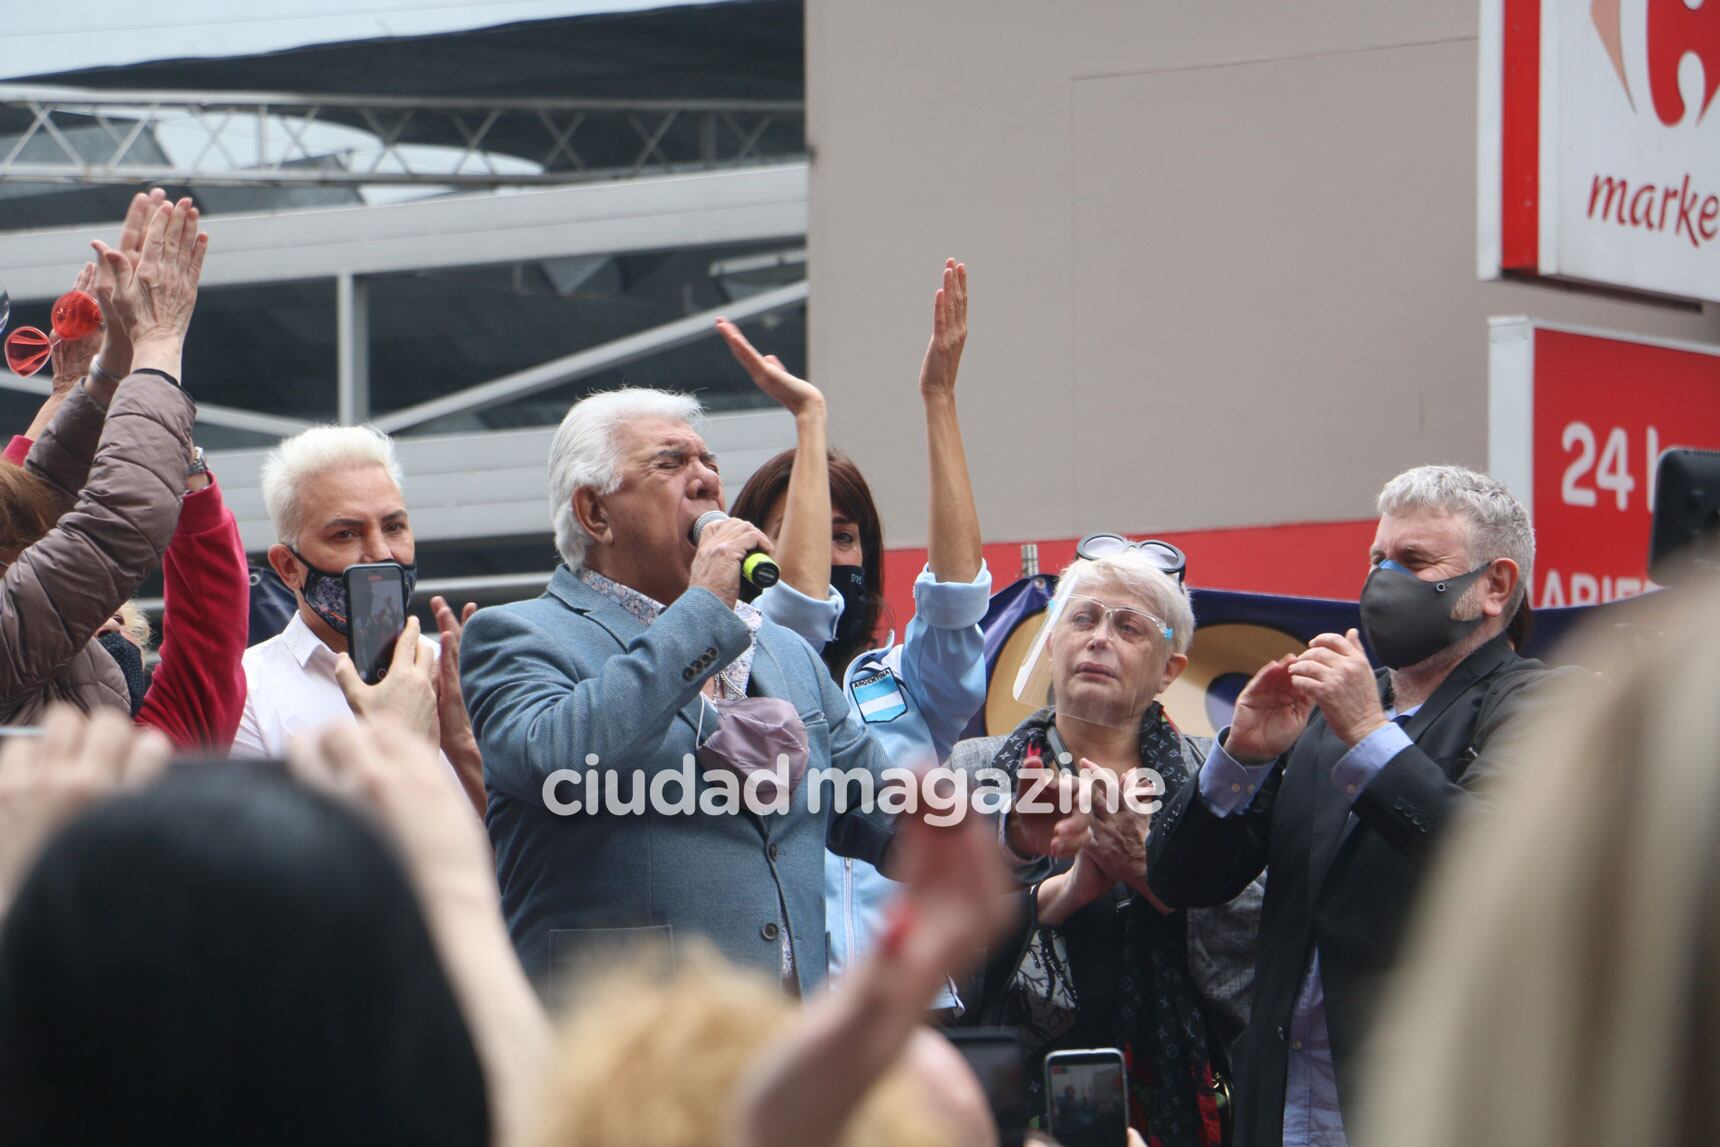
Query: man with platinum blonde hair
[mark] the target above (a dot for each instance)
(334, 498)
(639, 662)
(1341, 806)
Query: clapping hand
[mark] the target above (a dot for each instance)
(1270, 714)
(71, 357)
(1335, 674)
(1045, 817)
(152, 297)
(1119, 844)
(459, 744)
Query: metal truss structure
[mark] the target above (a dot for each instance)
(84, 136)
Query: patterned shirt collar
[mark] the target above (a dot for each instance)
(734, 676)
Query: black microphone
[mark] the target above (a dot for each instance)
(757, 567)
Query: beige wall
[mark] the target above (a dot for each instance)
(1222, 254)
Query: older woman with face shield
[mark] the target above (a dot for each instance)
(1098, 962)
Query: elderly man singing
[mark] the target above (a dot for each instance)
(638, 656)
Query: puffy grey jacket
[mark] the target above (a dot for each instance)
(117, 480)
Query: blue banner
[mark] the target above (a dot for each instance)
(1236, 633)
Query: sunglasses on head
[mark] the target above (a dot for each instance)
(1166, 556)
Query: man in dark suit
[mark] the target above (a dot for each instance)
(1341, 807)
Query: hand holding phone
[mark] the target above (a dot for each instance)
(376, 605)
(1086, 1101)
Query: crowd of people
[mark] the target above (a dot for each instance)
(617, 864)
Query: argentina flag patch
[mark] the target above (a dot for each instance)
(879, 697)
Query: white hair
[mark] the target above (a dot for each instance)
(319, 450)
(586, 452)
(1164, 597)
(1498, 524)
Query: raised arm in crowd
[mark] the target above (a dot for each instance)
(97, 501)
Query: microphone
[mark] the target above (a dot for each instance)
(758, 567)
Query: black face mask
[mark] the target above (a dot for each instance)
(130, 660)
(850, 583)
(1407, 620)
(325, 592)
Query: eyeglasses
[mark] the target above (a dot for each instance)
(1133, 626)
(1164, 555)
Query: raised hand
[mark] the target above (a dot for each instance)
(47, 779)
(1270, 715)
(115, 346)
(949, 333)
(71, 357)
(155, 297)
(795, 395)
(807, 1085)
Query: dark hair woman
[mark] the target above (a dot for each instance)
(227, 957)
(916, 696)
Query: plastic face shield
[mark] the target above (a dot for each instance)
(1098, 656)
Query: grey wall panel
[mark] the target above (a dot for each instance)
(1222, 254)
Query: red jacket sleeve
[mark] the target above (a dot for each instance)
(198, 692)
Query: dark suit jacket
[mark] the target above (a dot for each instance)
(1347, 888)
(571, 677)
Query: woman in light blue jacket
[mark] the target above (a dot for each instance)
(915, 696)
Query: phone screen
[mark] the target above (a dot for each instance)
(376, 597)
(1085, 1099)
(996, 1058)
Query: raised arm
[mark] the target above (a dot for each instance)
(953, 542)
(198, 692)
(113, 536)
(803, 543)
(111, 345)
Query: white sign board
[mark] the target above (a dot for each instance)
(1600, 143)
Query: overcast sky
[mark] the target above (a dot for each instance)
(41, 36)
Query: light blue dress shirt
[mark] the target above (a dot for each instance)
(915, 697)
(1312, 1117)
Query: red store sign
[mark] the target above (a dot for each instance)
(1577, 422)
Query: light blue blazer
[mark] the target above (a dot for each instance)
(571, 677)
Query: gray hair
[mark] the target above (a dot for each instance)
(296, 460)
(1498, 524)
(1140, 576)
(586, 452)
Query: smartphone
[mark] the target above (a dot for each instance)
(995, 1055)
(1086, 1102)
(376, 604)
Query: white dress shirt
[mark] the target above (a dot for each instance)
(290, 690)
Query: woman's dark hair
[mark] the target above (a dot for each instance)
(849, 495)
(227, 957)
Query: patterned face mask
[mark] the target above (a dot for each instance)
(325, 592)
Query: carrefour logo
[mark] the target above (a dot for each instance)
(1676, 30)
